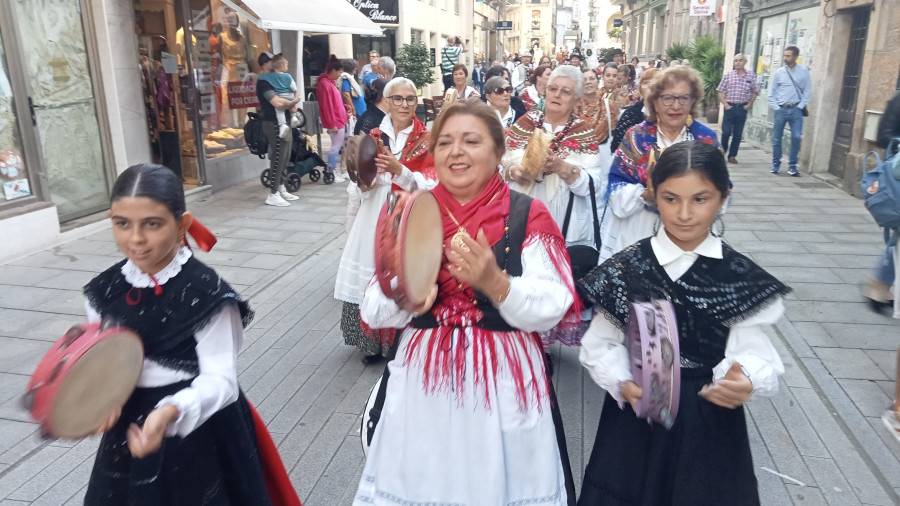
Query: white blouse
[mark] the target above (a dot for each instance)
(604, 355)
(217, 346)
(537, 300)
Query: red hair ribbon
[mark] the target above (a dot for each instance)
(202, 236)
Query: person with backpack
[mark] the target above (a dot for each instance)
(449, 58)
(279, 148)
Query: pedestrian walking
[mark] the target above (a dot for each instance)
(279, 148)
(737, 91)
(791, 91)
(186, 435)
(478, 77)
(333, 112)
(469, 413)
(450, 57)
(403, 161)
(725, 356)
(352, 93)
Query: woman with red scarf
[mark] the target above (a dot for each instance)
(469, 415)
(403, 163)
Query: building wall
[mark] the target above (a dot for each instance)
(524, 22)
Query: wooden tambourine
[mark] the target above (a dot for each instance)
(360, 152)
(409, 241)
(652, 339)
(87, 374)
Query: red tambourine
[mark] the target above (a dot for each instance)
(409, 241)
(86, 374)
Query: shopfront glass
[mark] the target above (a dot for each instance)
(55, 56)
(13, 169)
(363, 44)
(223, 48)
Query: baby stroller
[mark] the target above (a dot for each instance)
(303, 162)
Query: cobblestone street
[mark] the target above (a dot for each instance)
(819, 441)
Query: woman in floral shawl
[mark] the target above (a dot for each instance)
(403, 163)
(602, 114)
(571, 167)
(673, 98)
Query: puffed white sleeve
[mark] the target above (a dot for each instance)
(625, 200)
(749, 346)
(216, 386)
(92, 315)
(604, 355)
(379, 311)
(410, 181)
(581, 186)
(539, 298)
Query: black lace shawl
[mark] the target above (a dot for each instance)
(368, 120)
(166, 323)
(712, 296)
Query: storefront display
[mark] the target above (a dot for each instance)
(13, 171)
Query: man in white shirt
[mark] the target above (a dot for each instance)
(520, 72)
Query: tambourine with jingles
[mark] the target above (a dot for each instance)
(652, 340)
(360, 152)
(409, 241)
(89, 372)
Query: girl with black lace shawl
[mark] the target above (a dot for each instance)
(187, 435)
(722, 301)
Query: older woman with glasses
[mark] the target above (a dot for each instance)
(403, 161)
(469, 415)
(571, 168)
(673, 100)
(497, 92)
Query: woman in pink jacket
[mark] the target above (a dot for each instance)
(333, 111)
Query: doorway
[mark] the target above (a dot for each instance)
(843, 132)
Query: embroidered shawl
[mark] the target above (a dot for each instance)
(415, 154)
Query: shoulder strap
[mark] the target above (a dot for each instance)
(799, 92)
(608, 117)
(565, 227)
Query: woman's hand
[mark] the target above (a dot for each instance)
(386, 162)
(631, 393)
(143, 441)
(732, 391)
(109, 422)
(473, 262)
(419, 310)
(648, 195)
(517, 173)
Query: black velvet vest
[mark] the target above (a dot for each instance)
(167, 322)
(713, 295)
(519, 210)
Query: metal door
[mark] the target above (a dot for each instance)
(843, 131)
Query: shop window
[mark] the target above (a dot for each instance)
(13, 169)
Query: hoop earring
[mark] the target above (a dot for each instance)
(720, 232)
(656, 225)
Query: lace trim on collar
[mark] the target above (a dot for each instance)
(138, 279)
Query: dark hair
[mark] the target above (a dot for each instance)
(349, 65)
(156, 182)
(692, 155)
(793, 49)
(470, 107)
(538, 72)
(601, 61)
(333, 64)
(375, 90)
(460, 66)
(496, 70)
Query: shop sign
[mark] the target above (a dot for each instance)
(703, 7)
(242, 95)
(204, 62)
(384, 12)
(504, 25)
(617, 22)
(204, 83)
(242, 70)
(207, 104)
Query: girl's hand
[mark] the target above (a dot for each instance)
(143, 441)
(109, 422)
(732, 391)
(473, 262)
(631, 393)
(386, 162)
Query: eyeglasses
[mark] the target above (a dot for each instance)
(682, 99)
(566, 92)
(500, 91)
(399, 100)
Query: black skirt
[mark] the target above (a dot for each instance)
(703, 460)
(218, 463)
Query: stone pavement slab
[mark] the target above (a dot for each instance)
(820, 434)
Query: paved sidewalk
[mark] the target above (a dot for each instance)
(821, 433)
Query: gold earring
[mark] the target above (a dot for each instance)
(689, 120)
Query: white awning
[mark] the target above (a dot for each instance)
(308, 16)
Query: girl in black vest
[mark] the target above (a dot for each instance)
(722, 300)
(187, 435)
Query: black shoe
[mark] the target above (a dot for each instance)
(881, 307)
